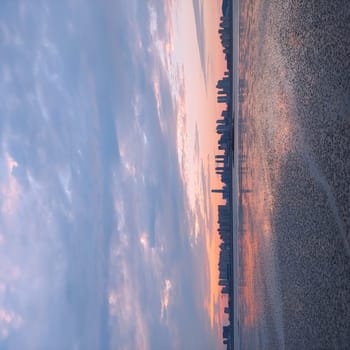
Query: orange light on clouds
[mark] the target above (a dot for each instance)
(198, 121)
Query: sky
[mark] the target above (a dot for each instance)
(107, 143)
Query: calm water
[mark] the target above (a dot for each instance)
(295, 153)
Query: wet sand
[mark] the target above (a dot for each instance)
(294, 276)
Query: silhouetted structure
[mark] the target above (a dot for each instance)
(223, 167)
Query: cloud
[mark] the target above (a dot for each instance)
(10, 190)
(200, 32)
(94, 229)
(8, 322)
(165, 298)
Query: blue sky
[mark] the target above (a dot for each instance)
(96, 230)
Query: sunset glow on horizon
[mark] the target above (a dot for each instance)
(108, 228)
(202, 110)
